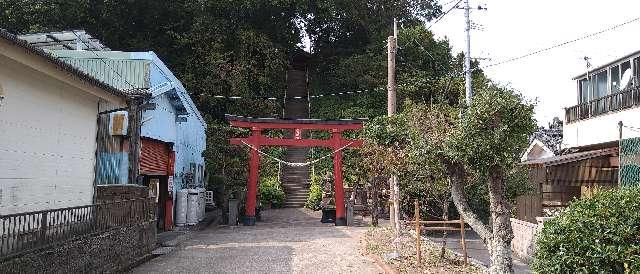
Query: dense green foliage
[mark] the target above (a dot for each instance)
(315, 194)
(494, 131)
(593, 235)
(271, 192)
(415, 143)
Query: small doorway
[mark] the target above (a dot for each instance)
(158, 186)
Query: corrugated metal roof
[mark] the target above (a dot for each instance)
(67, 67)
(121, 74)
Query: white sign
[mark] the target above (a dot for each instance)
(170, 185)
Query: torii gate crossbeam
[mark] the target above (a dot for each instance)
(256, 140)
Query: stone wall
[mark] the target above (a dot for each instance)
(108, 193)
(107, 252)
(523, 243)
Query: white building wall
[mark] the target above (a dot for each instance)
(601, 129)
(47, 141)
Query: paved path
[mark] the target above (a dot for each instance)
(288, 241)
(475, 249)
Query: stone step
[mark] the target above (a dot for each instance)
(295, 188)
(297, 193)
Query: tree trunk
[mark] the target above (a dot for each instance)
(498, 237)
(445, 217)
(392, 211)
(375, 202)
(500, 250)
(396, 204)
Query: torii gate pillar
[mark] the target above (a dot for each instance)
(341, 217)
(252, 183)
(256, 140)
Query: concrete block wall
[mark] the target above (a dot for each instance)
(113, 251)
(523, 243)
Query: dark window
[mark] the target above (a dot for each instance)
(615, 79)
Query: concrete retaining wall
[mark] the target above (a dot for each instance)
(109, 251)
(523, 243)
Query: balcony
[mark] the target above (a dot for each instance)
(621, 100)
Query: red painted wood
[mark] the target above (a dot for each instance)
(337, 173)
(340, 127)
(265, 141)
(172, 163)
(168, 216)
(252, 183)
(256, 140)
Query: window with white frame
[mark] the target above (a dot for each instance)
(608, 81)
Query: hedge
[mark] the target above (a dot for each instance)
(593, 235)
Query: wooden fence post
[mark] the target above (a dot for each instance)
(418, 234)
(462, 240)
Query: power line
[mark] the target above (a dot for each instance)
(270, 98)
(562, 44)
(444, 14)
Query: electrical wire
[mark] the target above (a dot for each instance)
(444, 14)
(362, 91)
(561, 44)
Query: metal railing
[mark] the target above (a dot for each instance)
(23, 232)
(627, 98)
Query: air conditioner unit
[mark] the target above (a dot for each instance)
(118, 123)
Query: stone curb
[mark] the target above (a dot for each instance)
(381, 264)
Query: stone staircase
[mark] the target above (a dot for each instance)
(296, 180)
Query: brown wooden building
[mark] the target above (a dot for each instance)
(560, 179)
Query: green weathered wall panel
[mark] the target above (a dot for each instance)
(121, 74)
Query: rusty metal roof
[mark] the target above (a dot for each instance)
(572, 157)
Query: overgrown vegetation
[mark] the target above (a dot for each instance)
(315, 193)
(380, 241)
(593, 235)
(271, 192)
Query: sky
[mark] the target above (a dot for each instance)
(512, 28)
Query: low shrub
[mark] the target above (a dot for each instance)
(271, 192)
(314, 201)
(315, 197)
(593, 235)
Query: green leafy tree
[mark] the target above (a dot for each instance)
(492, 133)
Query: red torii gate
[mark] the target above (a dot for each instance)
(256, 140)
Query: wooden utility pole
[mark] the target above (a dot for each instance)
(391, 110)
(134, 139)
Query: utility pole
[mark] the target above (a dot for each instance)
(394, 191)
(467, 54)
